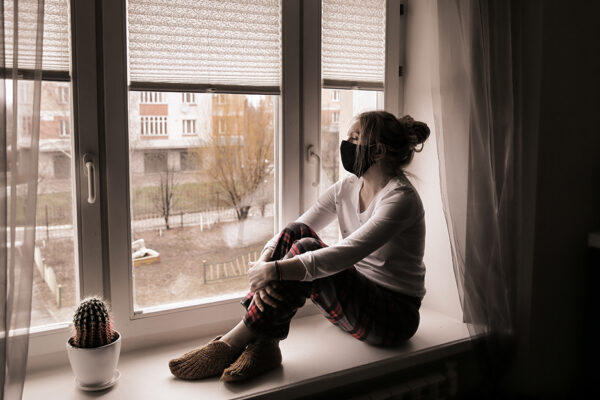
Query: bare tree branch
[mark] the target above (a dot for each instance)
(242, 157)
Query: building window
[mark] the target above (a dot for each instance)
(335, 95)
(222, 126)
(335, 117)
(152, 97)
(154, 126)
(27, 124)
(155, 162)
(62, 168)
(189, 126)
(63, 94)
(188, 98)
(189, 160)
(64, 128)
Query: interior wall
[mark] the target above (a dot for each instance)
(442, 294)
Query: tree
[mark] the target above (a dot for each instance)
(241, 150)
(163, 198)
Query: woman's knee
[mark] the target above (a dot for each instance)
(308, 244)
(297, 227)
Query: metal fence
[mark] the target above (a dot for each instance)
(205, 219)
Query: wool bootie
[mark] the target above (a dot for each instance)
(259, 357)
(208, 360)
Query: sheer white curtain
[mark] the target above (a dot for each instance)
(21, 31)
(473, 109)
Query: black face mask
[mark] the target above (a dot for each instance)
(348, 155)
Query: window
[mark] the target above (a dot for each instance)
(26, 123)
(56, 258)
(225, 209)
(64, 127)
(222, 126)
(152, 97)
(360, 62)
(189, 126)
(190, 160)
(63, 94)
(335, 117)
(188, 98)
(155, 162)
(153, 126)
(237, 95)
(62, 169)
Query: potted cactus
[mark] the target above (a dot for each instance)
(95, 346)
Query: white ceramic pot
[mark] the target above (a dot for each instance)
(97, 365)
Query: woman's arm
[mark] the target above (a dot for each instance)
(263, 272)
(396, 212)
(319, 215)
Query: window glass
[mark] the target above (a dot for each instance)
(338, 107)
(201, 196)
(54, 280)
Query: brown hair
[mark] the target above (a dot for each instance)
(396, 138)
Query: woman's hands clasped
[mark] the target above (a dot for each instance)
(260, 274)
(267, 295)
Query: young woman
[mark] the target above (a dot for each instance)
(370, 284)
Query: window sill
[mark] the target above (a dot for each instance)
(317, 357)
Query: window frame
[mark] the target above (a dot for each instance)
(63, 94)
(154, 126)
(188, 98)
(296, 129)
(64, 130)
(89, 239)
(335, 95)
(188, 123)
(152, 97)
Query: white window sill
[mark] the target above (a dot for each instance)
(317, 356)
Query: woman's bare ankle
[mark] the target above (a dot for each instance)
(239, 337)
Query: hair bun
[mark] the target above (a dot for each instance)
(418, 131)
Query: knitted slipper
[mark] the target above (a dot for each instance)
(208, 360)
(259, 357)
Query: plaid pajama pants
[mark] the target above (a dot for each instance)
(356, 305)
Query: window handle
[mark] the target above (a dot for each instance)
(90, 171)
(311, 153)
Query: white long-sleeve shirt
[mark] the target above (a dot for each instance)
(385, 242)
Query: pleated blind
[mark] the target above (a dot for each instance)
(234, 43)
(353, 40)
(55, 55)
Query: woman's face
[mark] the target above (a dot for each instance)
(354, 133)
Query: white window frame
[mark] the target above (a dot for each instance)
(152, 97)
(188, 126)
(63, 94)
(335, 95)
(90, 276)
(222, 126)
(107, 245)
(188, 98)
(153, 125)
(335, 117)
(65, 130)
